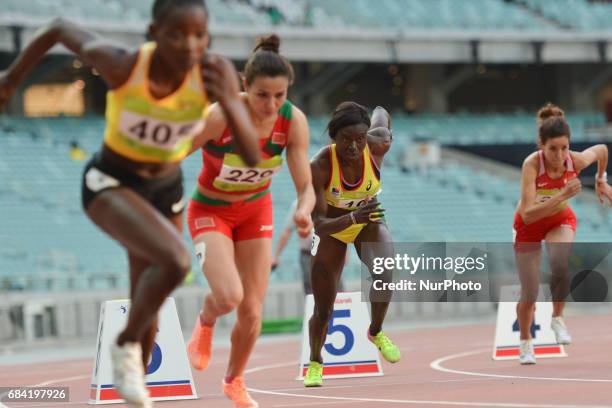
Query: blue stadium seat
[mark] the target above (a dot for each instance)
(47, 242)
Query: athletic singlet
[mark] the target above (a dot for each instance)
(145, 129)
(341, 194)
(547, 187)
(224, 171)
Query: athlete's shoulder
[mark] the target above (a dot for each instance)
(215, 123)
(533, 160)
(575, 156)
(296, 113)
(115, 63)
(320, 167)
(214, 113)
(297, 118)
(323, 156)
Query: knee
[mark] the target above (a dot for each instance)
(228, 300)
(250, 316)
(323, 313)
(177, 262)
(529, 296)
(559, 269)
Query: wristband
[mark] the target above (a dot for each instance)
(603, 178)
(352, 215)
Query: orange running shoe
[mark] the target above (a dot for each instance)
(199, 346)
(236, 391)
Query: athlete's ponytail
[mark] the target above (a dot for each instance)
(266, 61)
(268, 43)
(551, 123)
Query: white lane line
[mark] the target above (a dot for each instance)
(437, 365)
(375, 384)
(429, 402)
(270, 366)
(61, 380)
(315, 404)
(405, 402)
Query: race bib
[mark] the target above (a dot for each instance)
(236, 176)
(157, 133)
(545, 195)
(352, 203)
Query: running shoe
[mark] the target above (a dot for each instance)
(128, 375)
(200, 345)
(389, 351)
(562, 335)
(527, 354)
(314, 375)
(236, 391)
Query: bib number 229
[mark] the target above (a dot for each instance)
(247, 175)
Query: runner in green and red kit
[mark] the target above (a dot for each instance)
(230, 213)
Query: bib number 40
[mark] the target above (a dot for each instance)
(156, 133)
(159, 133)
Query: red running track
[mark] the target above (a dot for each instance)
(442, 367)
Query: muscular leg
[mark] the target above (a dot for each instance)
(137, 267)
(559, 247)
(219, 267)
(253, 258)
(146, 234)
(528, 267)
(326, 269)
(379, 300)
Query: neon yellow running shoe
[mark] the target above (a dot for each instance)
(389, 351)
(314, 375)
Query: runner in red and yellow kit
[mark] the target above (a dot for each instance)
(230, 213)
(549, 179)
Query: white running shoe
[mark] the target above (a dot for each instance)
(128, 375)
(558, 326)
(527, 355)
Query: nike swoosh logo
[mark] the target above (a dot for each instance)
(178, 206)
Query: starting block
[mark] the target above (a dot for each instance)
(168, 373)
(347, 352)
(507, 335)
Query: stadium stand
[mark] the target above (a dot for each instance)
(46, 241)
(389, 15)
(432, 14)
(122, 11)
(574, 14)
(466, 129)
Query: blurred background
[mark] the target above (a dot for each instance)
(462, 79)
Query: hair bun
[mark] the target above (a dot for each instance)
(268, 43)
(549, 111)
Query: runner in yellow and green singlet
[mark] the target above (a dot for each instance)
(346, 179)
(132, 188)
